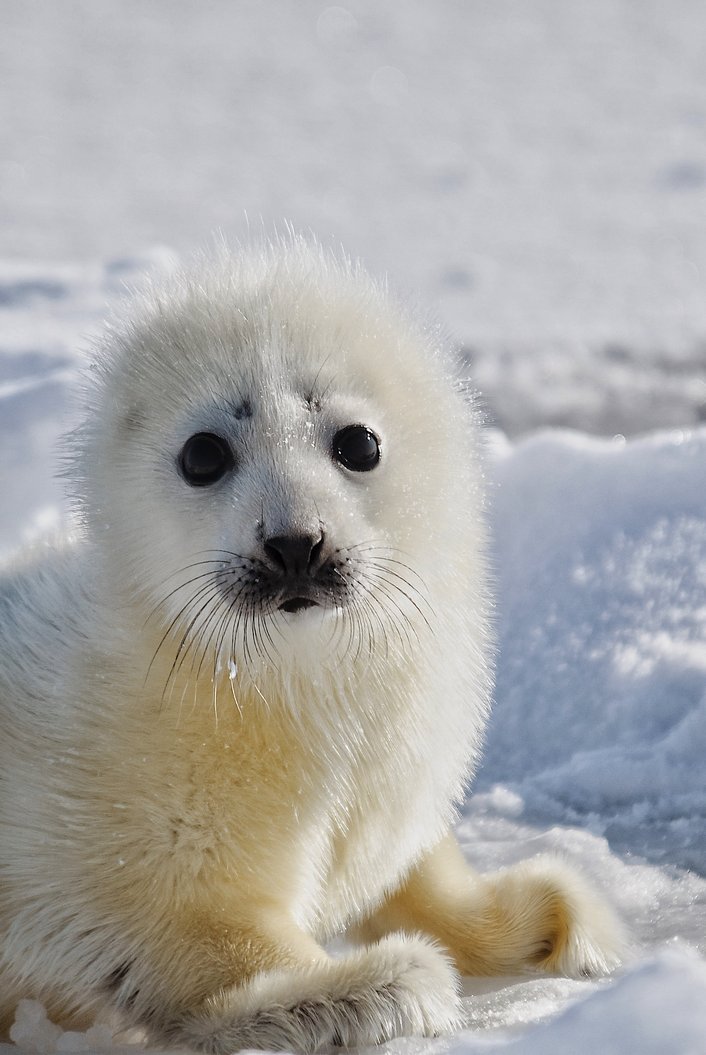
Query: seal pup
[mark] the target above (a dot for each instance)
(239, 709)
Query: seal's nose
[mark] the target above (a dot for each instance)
(295, 554)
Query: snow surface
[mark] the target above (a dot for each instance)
(536, 171)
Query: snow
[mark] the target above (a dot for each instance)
(657, 1007)
(536, 172)
(601, 575)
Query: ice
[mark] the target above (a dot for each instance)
(32, 1031)
(657, 1007)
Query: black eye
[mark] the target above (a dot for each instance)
(204, 459)
(357, 448)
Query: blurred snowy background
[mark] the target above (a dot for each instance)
(535, 172)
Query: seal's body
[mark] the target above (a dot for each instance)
(239, 709)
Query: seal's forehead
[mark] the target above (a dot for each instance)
(245, 330)
(266, 387)
(312, 335)
(288, 387)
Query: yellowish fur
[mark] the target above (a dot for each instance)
(539, 914)
(199, 787)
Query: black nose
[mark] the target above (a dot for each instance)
(295, 554)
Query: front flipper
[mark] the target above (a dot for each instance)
(400, 987)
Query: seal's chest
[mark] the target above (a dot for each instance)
(356, 838)
(322, 815)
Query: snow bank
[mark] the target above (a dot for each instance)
(656, 1008)
(600, 558)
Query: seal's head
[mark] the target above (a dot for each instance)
(276, 461)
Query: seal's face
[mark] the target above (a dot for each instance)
(294, 564)
(279, 492)
(276, 446)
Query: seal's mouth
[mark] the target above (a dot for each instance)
(296, 604)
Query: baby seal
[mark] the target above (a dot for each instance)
(240, 708)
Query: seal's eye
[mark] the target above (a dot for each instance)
(357, 448)
(204, 459)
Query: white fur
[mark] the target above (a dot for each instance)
(397, 987)
(193, 798)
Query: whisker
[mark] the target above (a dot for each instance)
(180, 614)
(400, 564)
(382, 577)
(373, 611)
(358, 592)
(181, 586)
(266, 625)
(182, 651)
(219, 635)
(351, 621)
(402, 623)
(212, 622)
(377, 600)
(389, 575)
(247, 654)
(202, 563)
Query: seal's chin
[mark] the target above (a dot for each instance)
(296, 604)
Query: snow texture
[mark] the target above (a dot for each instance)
(536, 171)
